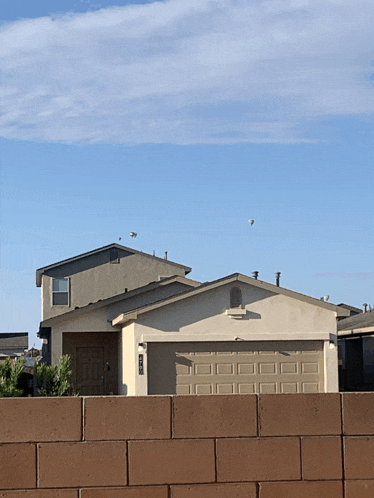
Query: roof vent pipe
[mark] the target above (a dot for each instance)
(166, 255)
(255, 275)
(365, 307)
(277, 276)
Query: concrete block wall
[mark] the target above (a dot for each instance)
(237, 446)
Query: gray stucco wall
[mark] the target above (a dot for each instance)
(98, 278)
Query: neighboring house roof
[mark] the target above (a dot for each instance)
(13, 343)
(236, 277)
(352, 309)
(40, 271)
(361, 321)
(119, 297)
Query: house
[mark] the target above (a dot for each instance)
(134, 324)
(80, 297)
(233, 335)
(97, 275)
(13, 344)
(356, 352)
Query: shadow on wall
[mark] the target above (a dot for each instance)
(250, 315)
(86, 263)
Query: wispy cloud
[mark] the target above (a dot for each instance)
(187, 71)
(359, 275)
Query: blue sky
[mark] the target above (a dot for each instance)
(181, 120)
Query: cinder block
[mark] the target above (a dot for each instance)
(214, 416)
(358, 409)
(171, 461)
(17, 466)
(358, 489)
(244, 490)
(359, 457)
(40, 419)
(137, 492)
(41, 493)
(254, 459)
(321, 458)
(117, 417)
(66, 465)
(302, 489)
(300, 414)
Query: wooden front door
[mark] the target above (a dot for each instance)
(90, 371)
(94, 361)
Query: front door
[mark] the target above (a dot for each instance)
(94, 361)
(90, 372)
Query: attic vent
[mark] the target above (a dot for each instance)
(235, 297)
(113, 254)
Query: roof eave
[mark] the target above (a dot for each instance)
(40, 271)
(39, 275)
(124, 318)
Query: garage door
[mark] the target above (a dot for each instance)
(235, 367)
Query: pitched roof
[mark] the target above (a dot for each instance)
(119, 297)
(352, 309)
(12, 343)
(357, 321)
(40, 271)
(236, 277)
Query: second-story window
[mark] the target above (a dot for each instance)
(60, 292)
(235, 297)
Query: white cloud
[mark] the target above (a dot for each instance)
(187, 71)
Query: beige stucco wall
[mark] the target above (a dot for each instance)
(269, 316)
(267, 313)
(106, 280)
(128, 371)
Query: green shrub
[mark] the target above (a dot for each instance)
(10, 372)
(55, 380)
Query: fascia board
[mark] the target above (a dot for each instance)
(124, 317)
(356, 331)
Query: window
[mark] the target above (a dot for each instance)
(235, 297)
(60, 292)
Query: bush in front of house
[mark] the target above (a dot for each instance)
(10, 373)
(55, 380)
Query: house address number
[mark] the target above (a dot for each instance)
(141, 364)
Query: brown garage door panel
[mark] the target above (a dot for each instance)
(235, 368)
